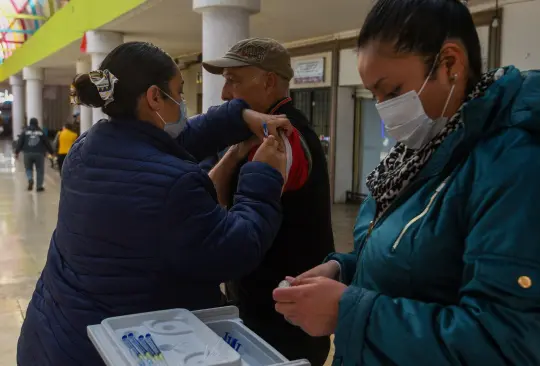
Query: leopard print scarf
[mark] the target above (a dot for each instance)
(402, 164)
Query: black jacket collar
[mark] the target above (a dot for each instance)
(277, 106)
(285, 106)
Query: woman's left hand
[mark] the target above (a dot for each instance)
(312, 304)
(255, 121)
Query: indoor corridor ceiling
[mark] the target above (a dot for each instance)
(174, 26)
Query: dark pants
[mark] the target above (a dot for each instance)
(291, 341)
(60, 159)
(37, 160)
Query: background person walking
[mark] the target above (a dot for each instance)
(65, 139)
(34, 144)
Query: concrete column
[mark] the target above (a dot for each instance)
(34, 93)
(225, 22)
(84, 66)
(98, 46)
(17, 109)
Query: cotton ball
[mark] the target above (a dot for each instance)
(284, 283)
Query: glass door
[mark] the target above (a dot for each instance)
(371, 144)
(315, 104)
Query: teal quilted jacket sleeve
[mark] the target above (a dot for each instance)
(497, 319)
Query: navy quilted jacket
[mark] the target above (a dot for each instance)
(139, 229)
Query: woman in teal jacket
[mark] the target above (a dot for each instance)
(446, 266)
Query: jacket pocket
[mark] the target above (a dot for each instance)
(419, 216)
(519, 281)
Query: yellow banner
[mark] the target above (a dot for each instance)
(65, 27)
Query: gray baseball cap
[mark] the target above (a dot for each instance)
(264, 53)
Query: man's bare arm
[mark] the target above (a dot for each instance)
(221, 175)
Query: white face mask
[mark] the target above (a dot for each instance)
(174, 128)
(406, 121)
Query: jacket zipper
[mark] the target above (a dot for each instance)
(385, 213)
(419, 216)
(368, 234)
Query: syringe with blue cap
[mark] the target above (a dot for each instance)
(150, 341)
(134, 351)
(152, 349)
(265, 129)
(140, 349)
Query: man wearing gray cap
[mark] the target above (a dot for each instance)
(258, 70)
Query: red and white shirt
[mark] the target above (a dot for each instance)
(297, 161)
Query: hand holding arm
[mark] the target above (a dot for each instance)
(273, 153)
(222, 173)
(226, 125)
(256, 120)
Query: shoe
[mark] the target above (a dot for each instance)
(40, 189)
(30, 185)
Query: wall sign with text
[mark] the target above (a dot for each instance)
(309, 71)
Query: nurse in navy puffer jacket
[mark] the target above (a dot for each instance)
(139, 227)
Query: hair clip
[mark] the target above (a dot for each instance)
(73, 97)
(104, 81)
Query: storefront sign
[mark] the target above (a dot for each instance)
(5, 96)
(309, 71)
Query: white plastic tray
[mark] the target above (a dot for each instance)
(205, 337)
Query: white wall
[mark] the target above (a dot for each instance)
(483, 35)
(521, 35)
(344, 144)
(348, 69)
(191, 88)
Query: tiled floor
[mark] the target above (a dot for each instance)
(26, 223)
